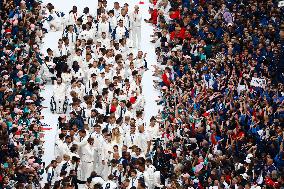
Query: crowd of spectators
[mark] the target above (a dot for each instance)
(220, 73)
(220, 65)
(21, 136)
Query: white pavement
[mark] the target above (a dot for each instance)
(50, 41)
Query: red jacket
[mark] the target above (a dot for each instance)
(181, 34)
(175, 15)
(154, 16)
(166, 80)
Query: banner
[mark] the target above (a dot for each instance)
(257, 82)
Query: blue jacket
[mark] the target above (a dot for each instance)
(114, 32)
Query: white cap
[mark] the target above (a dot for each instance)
(247, 160)
(245, 175)
(249, 156)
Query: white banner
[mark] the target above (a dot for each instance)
(257, 82)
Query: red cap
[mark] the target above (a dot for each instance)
(112, 109)
(132, 100)
(8, 31)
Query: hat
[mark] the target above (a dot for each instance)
(164, 87)
(132, 100)
(244, 175)
(247, 160)
(249, 156)
(8, 31)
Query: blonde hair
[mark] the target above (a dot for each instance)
(116, 137)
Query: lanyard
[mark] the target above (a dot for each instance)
(72, 37)
(132, 137)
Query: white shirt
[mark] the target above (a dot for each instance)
(79, 74)
(105, 42)
(72, 36)
(52, 172)
(98, 140)
(130, 139)
(107, 147)
(110, 185)
(61, 148)
(119, 32)
(102, 27)
(142, 141)
(72, 18)
(45, 69)
(126, 20)
(117, 12)
(136, 19)
(59, 91)
(66, 77)
(97, 180)
(85, 34)
(133, 182)
(88, 152)
(77, 58)
(153, 131)
(113, 22)
(60, 51)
